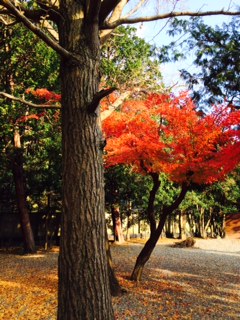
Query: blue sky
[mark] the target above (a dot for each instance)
(152, 32)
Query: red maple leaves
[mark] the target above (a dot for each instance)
(48, 97)
(166, 134)
(45, 95)
(30, 117)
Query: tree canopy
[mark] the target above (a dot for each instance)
(167, 134)
(215, 56)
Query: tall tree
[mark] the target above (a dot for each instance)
(83, 285)
(20, 61)
(167, 134)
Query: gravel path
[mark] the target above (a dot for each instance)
(181, 283)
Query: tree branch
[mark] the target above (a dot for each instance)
(92, 10)
(115, 16)
(6, 23)
(114, 24)
(178, 200)
(97, 98)
(135, 9)
(107, 6)
(28, 103)
(49, 28)
(36, 30)
(113, 106)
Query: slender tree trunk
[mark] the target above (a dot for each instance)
(115, 288)
(202, 223)
(207, 224)
(147, 250)
(168, 227)
(17, 156)
(113, 223)
(127, 231)
(19, 181)
(191, 223)
(183, 218)
(154, 237)
(84, 291)
(117, 225)
(150, 208)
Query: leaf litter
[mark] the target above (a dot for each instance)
(177, 284)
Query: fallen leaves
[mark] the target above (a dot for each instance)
(178, 284)
(28, 287)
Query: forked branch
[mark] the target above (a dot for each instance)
(22, 18)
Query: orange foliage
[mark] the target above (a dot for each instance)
(30, 117)
(108, 100)
(167, 134)
(44, 94)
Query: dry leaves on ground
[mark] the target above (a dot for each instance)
(177, 284)
(28, 286)
(180, 283)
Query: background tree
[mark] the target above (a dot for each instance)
(128, 61)
(83, 285)
(167, 134)
(216, 59)
(20, 59)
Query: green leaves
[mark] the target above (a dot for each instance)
(216, 56)
(129, 61)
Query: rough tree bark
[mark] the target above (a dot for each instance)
(84, 291)
(149, 246)
(19, 181)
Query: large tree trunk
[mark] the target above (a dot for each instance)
(19, 181)
(152, 241)
(84, 291)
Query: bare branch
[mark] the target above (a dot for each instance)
(51, 43)
(135, 9)
(116, 14)
(107, 6)
(47, 26)
(106, 113)
(114, 24)
(6, 23)
(51, 8)
(28, 103)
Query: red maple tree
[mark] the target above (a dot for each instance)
(167, 134)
